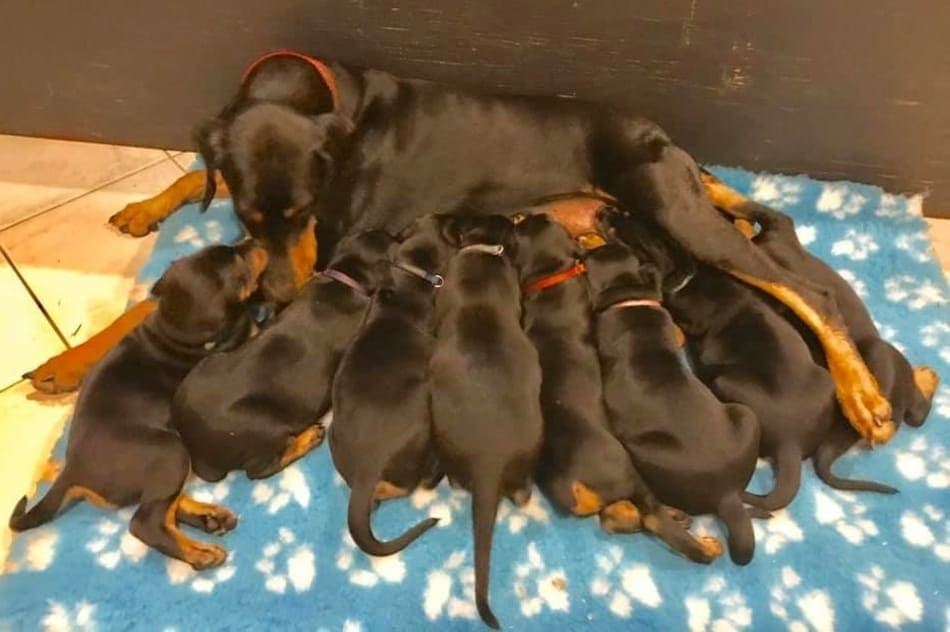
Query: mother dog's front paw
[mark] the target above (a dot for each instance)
(138, 219)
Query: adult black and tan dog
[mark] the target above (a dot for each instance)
(381, 435)
(257, 408)
(486, 383)
(122, 449)
(583, 469)
(363, 149)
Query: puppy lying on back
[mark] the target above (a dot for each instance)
(256, 408)
(122, 449)
(381, 435)
(909, 390)
(486, 383)
(694, 451)
(583, 468)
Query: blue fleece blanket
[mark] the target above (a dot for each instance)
(830, 561)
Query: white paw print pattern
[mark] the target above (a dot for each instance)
(442, 502)
(806, 233)
(799, 608)
(919, 530)
(855, 246)
(450, 590)
(539, 588)
(897, 208)
(204, 581)
(776, 191)
(839, 202)
(942, 401)
(937, 335)
(889, 334)
(621, 585)
(924, 462)
(916, 245)
(779, 530)
(348, 626)
(38, 552)
(517, 518)
(189, 235)
(717, 608)
(285, 562)
(214, 493)
(891, 603)
(367, 570)
(915, 293)
(114, 544)
(859, 287)
(278, 491)
(60, 617)
(843, 511)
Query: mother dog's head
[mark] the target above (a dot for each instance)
(276, 162)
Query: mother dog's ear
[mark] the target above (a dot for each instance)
(209, 140)
(330, 133)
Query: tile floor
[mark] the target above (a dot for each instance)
(64, 274)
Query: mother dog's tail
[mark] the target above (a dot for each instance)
(788, 479)
(739, 525)
(43, 511)
(359, 521)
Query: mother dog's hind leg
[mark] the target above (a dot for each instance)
(664, 181)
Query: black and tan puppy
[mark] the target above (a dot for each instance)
(122, 449)
(486, 383)
(256, 408)
(583, 468)
(381, 435)
(695, 452)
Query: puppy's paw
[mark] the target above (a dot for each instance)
(711, 546)
(678, 516)
(926, 380)
(621, 517)
(201, 555)
(219, 521)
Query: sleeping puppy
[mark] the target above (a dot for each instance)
(122, 449)
(694, 451)
(583, 469)
(381, 435)
(486, 383)
(257, 408)
(909, 390)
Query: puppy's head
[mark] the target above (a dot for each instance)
(490, 230)
(649, 242)
(201, 297)
(615, 273)
(276, 162)
(543, 246)
(429, 242)
(365, 257)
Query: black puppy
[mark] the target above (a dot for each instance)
(122, 449)
(486, 383)
(909, 390)
(583, 468)
(257, 408)
(694, 451)
(381, 434)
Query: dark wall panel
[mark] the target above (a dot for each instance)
(843, 89)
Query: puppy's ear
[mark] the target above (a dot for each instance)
(330, 134)
(452, 227)
(209, 140)
(159, 286)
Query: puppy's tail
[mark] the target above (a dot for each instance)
(359, 521)
(839, 439)
(485, 498)
(788, 479)
(43, 511)
(739, 524)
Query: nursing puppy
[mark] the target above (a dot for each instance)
(122, 449)
(381, 435)
(694, 451)
(583, 469)
(257, 408)
(486, 383)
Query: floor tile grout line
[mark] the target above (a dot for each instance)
(33, 295)
(98, 187)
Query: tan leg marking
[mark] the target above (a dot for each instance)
(386, 490)
(214, 518)
(858, 392)
(50, 471)
(62, 373)
(621, 517)
(78, 492)
(745, 227)
(679, 335)
(926, 380)
(302, 444)
(303, 254)
(711, 545)
(199, 554)
(140, 218)
(722, 196)
(586, 501)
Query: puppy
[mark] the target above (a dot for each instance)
(583, 469)
(694, 451)
(486, 383)
(257, 408)
(122, 448)
(746, 352)
(381, 434)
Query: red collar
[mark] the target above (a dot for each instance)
(318, 65)
(558, 277)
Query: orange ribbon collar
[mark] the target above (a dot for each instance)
(558, 277)
(318, 65)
